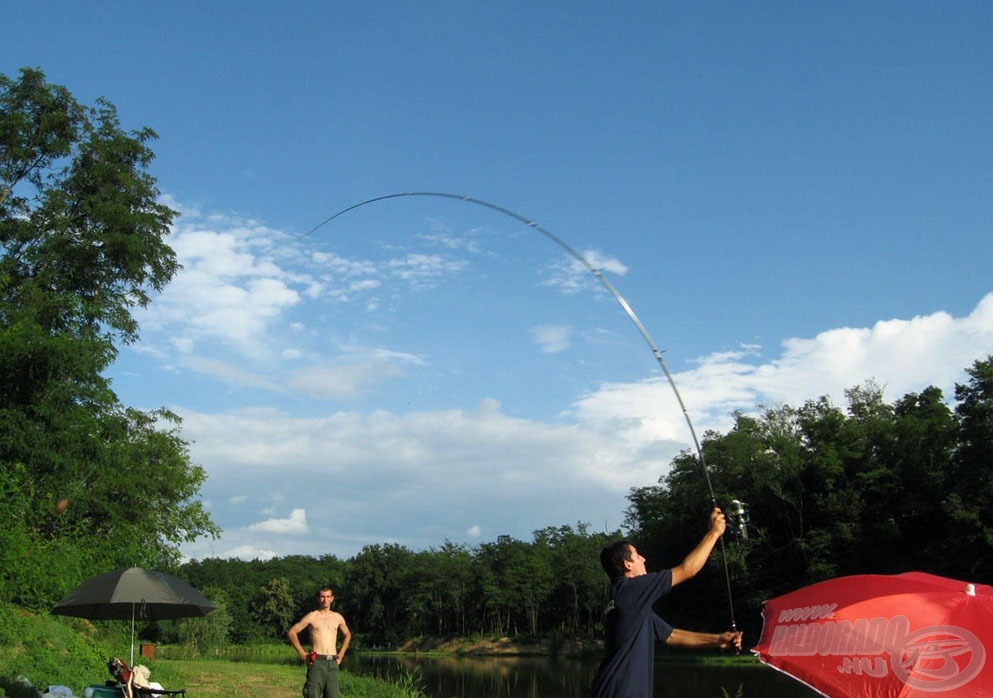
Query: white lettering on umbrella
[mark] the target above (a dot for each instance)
(933, 659)
(866, 636)
(807, 613)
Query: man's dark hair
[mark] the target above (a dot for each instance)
(613, 557)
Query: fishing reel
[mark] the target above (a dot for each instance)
(738, 519)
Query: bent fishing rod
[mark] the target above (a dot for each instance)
(621, 301)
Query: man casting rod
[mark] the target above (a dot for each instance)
(613, 292)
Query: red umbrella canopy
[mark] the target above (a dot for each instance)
(883, 636)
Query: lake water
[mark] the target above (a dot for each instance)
(543, 677)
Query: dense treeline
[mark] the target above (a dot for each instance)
(88, 484)
(390, 593)
(872, 488)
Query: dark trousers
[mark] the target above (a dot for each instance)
(322, 678)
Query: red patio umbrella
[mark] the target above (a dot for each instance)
(911, 635)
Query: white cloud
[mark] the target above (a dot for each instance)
(569, 275)
(344, 267)
(424, 270)
(344, 382)
(551, 339)
(380, 354)
(247, 552)
(230, 288)
(600, 262)
(232, 313)
(442, 235)
(902, 356)
(383, 471)
(357, 370)
(228, 373)
(296, 523)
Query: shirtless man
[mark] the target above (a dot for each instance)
(322, 662)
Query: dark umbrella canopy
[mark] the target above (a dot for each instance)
(133, 593)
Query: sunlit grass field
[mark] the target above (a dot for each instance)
(220, 678)
(38, 650)
(260, 671)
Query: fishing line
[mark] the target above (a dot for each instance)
(621, 301)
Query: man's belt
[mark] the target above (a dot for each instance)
(313, 657)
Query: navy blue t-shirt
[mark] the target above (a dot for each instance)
(632, 629)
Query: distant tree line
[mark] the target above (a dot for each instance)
(390, 593)
(871, 488)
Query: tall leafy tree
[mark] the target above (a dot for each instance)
(82, 231)
(515, 578)
(273, 607)
(380, 586)
(580, 587)
(82, 245)
(969, 508)
(923, 444)
(443, 582)
(208, 632)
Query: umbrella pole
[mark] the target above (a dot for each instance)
(132, 635)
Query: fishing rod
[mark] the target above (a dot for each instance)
(621, 301)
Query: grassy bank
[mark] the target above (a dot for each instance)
(49, 650)
(212, 678)
(39, 650)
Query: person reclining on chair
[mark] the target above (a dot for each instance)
(134, 683)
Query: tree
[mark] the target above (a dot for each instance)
(381, 585)
(82, 245)
(578, 596)
(516, 578)
(969, 506)
(440, 597)
(209, 632)
(273, 607)
(81, 230)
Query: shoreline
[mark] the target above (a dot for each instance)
(509, 647)
(501, 646)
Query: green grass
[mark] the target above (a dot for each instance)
(212, 678)
(255, 654)
(48, 650)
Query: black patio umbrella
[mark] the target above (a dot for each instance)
(134, 593)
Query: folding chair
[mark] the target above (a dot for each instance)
(135, 685)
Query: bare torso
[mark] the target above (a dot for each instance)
(325, 625)
(324, 631)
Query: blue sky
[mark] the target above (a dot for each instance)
(794, 198)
